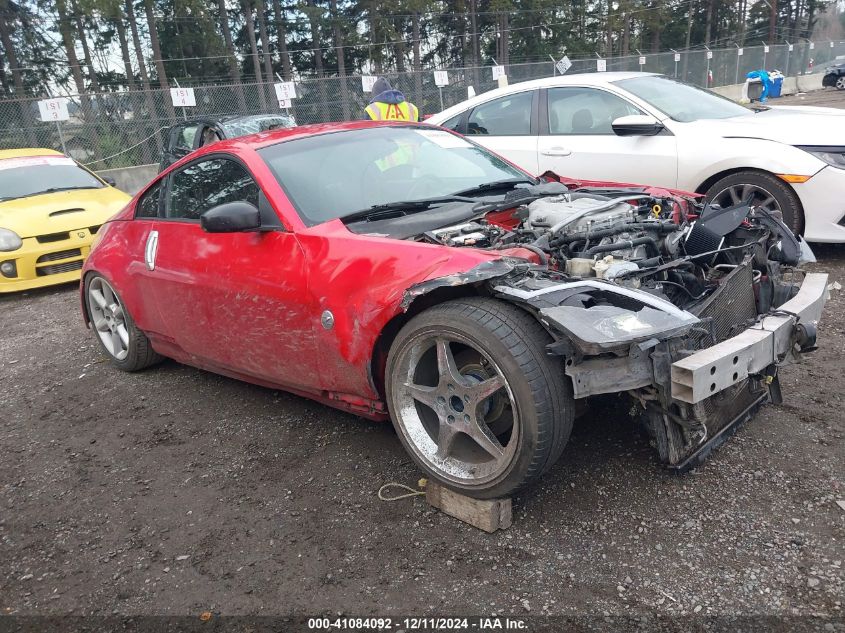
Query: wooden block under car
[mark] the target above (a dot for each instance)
(488, 515)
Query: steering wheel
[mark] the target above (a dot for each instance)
(424, 187)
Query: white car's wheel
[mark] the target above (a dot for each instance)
(762, 190)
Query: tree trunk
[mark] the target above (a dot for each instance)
(253, 46)
(708, 22)
(86, 52)
(341, 58)
(476, 48)
(773, 20)
(15, 69)
(152, 111)
(265, 40)
(417, 62)
(686, 45)
(124, 49)
(231, 60)
(70, 50)
(608, 45)
(505, 40)
(281, 37)
(159, 62)
(626, 34)
(265, 47)
(316, 41)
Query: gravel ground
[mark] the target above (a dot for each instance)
(176, 491)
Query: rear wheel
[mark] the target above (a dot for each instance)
(126, 346)
(475, 399)
(763, 190)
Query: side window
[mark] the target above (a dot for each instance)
(453, 123)
(185, 137)
(206, 184)
(505, 116)
(584, 111)
(148, 205)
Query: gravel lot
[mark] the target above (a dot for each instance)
(175, 491)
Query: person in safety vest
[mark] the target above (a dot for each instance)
(388, 104)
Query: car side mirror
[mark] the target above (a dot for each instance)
(636, 125)
(110, 181)
(231, 217)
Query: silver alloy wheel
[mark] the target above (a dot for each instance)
(739, 193)
(108, 318)
(840, 82)
(460, 418)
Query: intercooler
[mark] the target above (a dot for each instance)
(730, 309)
(725, 313)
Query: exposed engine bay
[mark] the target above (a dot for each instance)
(668, 245)
(688, 309)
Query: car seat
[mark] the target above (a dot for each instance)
(582, 122)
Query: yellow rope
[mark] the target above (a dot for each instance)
(411, 492)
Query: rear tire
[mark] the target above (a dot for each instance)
(475, 399)
(767, 191)
(127, 347)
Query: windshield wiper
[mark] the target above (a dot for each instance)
(496, 185)
(55, 189)
(401, 207)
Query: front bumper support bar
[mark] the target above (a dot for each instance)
(709, 371)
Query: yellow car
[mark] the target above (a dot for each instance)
(50, 210)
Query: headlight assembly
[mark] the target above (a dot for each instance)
(9, 240)
(831, 154)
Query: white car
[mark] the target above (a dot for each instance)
(648, 129)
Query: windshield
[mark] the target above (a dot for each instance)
(251, 125)
(679, 101)
(333, 175)
(33, 175)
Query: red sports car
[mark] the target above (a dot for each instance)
(402, 271)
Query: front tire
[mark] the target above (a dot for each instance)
(765, 190)
(127, 347)
(840, 82)
(475, 399)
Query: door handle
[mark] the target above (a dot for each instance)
(556, 151)
(151, 249)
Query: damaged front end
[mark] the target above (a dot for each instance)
(688, 309)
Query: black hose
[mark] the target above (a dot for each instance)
(663, 226)
(544, 259)
(623, 245)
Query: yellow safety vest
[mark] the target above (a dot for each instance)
(379, 111)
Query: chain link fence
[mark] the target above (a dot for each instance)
(119, 129)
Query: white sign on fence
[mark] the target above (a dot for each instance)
(812, 45)
(709, 54)
(285, 90)
(739, 52)
(642, 61)
(498, 71)
(563, 64)
(791, 48)
(183, 97)
(285, 103)
(367, 82)
(53, 109)
(765, 48)
(601, 65)
(677, 57)
(441, 78)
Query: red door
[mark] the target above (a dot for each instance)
(236, 301)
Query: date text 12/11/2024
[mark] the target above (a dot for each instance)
(356, 624)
